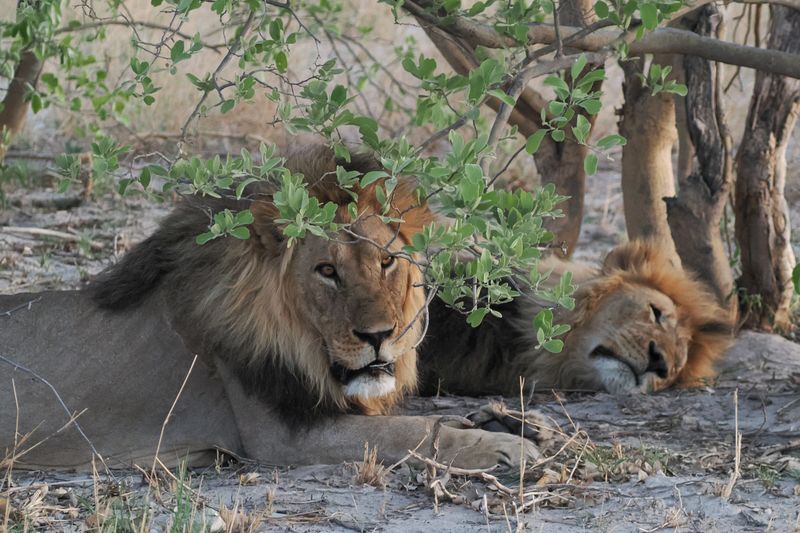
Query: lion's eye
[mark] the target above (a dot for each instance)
(656, 313)
(387, 261)
(326, 270)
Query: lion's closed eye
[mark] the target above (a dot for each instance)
(657, 314)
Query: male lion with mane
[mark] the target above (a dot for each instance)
(287, 350)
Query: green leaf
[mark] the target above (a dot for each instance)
(557, 83)
(475, 318)
(649, 13)
(205, 237)
(177, 53)
(276, 29)
(339, 94)
(532, 146)
(472, 184)
(577, 66)
(372, 177)
(601, 8)
(240, 232)
(796, 278)
(144, 177)
(502, 96)
(581, 129)
(123, 185)
(543, 319)
(591, 106)
(244, 217)
(558, 135)
(554, 345)
(609, 141)
(556, 108)
(590, 164)
(36, 102)
(281, 61)
(227, 105)
(677, 88)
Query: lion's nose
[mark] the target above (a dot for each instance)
(374, 338)
(656, 361)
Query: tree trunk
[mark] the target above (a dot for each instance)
(762, 215)
(558, 163)
(648, 123)
(14, 108)
(562, 163)
(694, 216)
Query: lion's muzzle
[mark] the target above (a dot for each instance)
(620, 374)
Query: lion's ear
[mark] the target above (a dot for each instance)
(637, 256)
(268, 232)
(411, 207)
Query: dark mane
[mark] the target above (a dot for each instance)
(143, 269)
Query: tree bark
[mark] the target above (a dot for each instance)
(694, 216)
(648, 123)
(762, 215)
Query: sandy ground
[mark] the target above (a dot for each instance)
(633, 463)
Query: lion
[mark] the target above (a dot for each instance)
(284, 354)
(299, 354)
(640, 324)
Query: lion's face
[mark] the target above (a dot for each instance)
(363, 300)
(639, 324)
(343, 313)
(633, 341)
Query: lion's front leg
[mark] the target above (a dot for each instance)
(269, 438)
(342, 439)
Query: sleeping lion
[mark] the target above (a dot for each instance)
(297, 355)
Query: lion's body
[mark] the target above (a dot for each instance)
(124, 370)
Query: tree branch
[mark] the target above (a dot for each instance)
(674, 41)
(149, 25)
(794, 4)
(661, 40)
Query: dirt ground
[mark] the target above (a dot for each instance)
(633, 463)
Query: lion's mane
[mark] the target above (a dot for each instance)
(229, 298)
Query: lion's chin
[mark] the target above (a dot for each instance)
(370, 386)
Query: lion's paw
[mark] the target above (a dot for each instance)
(496, 417)
(478, 449)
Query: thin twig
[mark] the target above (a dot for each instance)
(20, 307)
(36, 376)
(96, 246)
(169, 414)
(557, 28)
(737, 457)
(234, 47)
(130, 24)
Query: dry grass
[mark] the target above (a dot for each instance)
(370, 471)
